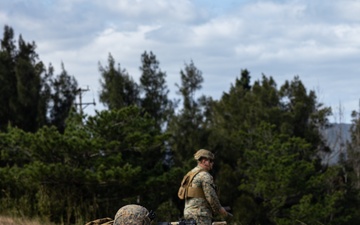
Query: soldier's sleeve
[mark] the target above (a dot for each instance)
(210, 193)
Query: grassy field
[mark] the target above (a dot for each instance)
(4, 220)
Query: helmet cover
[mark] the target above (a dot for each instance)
(132, 215)
(203, 153)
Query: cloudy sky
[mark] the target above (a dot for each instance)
(319, 41)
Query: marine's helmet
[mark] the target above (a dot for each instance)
(132, 215)
(203, 153)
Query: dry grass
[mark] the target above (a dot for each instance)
(4, 220)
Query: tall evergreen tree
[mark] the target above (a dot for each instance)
(7, 78)
(291, 112)
(286, 188)
(154, 98)
(30, 96)
(28, 76)
(62, 98)
(303, 116)
(236, 111)
(118, 88)
(234, 114)
(22, 71)
(351, 168)
(187, 126)
(353, 150)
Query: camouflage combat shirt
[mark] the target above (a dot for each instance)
(200, 206)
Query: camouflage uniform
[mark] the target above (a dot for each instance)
(132, 215)
(202, 209)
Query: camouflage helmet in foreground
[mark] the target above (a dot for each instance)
(203, 153)
(132, 215)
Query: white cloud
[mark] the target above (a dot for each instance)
(273, 12)
(348, 9)
(4, 17)
(218, 30)
(316, 40)
(160, 11)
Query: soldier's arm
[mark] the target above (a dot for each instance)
(210, 194)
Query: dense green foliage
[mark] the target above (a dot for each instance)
(71, 168)
(118, 88)
(154, 90)
(30, 95)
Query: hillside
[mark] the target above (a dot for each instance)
(337, 136)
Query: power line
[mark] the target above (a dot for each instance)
(83, 105)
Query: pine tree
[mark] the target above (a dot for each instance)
(64, 88)
(22, 73)
(268, 134)
(118, 88)
(154, 100)
(188, 127)
(7, 78)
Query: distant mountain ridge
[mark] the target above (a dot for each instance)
(336, 137)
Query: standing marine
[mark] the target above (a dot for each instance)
(201, 200)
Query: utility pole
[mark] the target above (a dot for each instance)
(83, 105)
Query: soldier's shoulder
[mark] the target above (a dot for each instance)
(205, 175)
